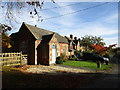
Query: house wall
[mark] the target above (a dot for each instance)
(37, 42)
(78, 46)
(71, 53)
(44, 51)
(64, 48)
(43, 54)
(37, 53)
(51, 43)
(25, 41)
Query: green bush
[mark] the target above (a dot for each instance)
(70, 57)
(59, 60)
(118, 54)
(79, 52)
(73, 57)
(64, 57)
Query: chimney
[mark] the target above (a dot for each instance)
(71, 36)
(75, 38)
(35, 25)
(79, 39)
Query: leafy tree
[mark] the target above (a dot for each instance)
(116, 52)
(98, 48)
(4, 38)
(87, 40)
(103, 50)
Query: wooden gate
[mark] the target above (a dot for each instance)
(10, 59)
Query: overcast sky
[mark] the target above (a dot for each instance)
(98, 21)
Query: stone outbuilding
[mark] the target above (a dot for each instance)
(42, 46)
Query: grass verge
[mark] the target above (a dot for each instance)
(87, 64)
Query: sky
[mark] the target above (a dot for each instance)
(76, 19)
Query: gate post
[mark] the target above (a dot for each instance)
(98, 64)
(20, 57)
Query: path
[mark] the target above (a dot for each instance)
(56, 69)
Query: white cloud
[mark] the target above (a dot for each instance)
(98, 30)
(110, 41)
(64, 10)
(112, 18)
(92, 28)
(70, 24)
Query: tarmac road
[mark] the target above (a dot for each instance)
(108, 80)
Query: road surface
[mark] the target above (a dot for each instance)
(108, 80)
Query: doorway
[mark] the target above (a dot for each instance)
(54, 54)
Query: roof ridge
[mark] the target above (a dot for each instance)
(39, 32)
(29, 29)
(37, 27)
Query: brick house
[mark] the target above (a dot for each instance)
(42, 46)
(73, 44)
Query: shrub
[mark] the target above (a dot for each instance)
(78, 53)
(59, 60)
(73, 57)
(64, 57)
(117, 55)
(70, 57)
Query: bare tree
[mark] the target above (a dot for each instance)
(34, 7)
(11, 9)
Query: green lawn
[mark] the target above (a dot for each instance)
(86, 64)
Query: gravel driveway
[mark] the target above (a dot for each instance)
(55, 69)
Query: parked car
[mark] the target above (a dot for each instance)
(106, 60)
(93, 57)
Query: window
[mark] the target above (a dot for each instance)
(53, 46)
(64, 48)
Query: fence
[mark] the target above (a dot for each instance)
(9, 59)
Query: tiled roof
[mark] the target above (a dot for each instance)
(39, 32)
(46, 38)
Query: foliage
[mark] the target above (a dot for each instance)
(70, 57)
(98, 48)
(73, 57)
(33, 6)
(88, 51)
(101, 50)
(116, 52)
(107, 55)
(78, 53)
(59, 60)
(87, 40)
(62, 58)
(3, 35)
(4, 28)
